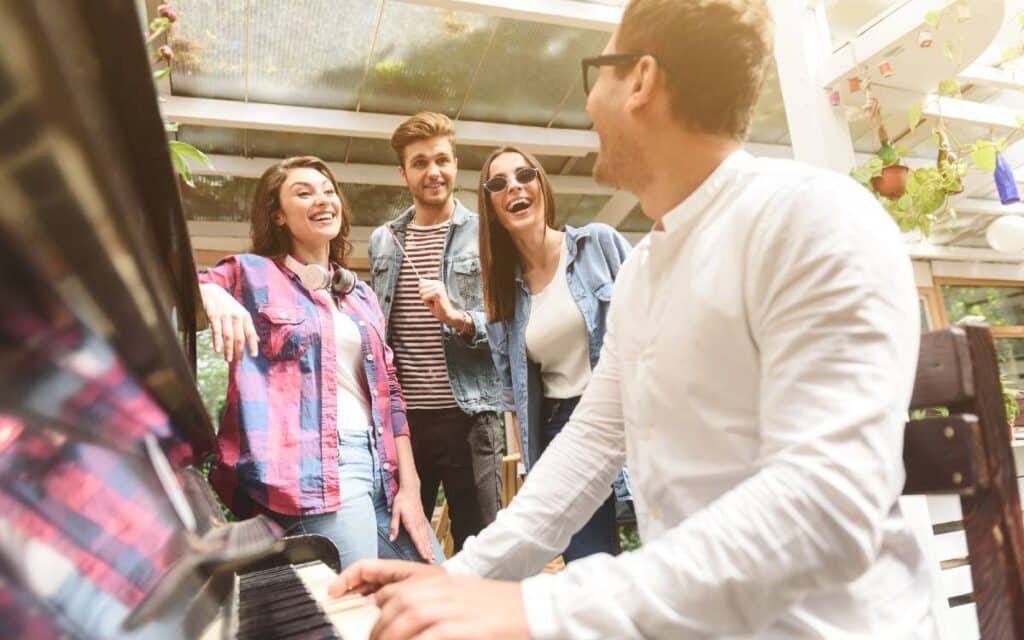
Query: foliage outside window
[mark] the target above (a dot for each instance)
(1002, 307)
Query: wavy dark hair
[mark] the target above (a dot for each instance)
(274, 241)
(498, 256)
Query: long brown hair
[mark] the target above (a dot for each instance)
(274, 241)
(498, 256)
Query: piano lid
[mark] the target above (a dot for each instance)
(86, 185)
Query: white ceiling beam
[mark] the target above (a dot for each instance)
(876, 40)
(313, 120)
(999, 118)
(563, 13)
(820, 133)
(978, 206)
(616, 209)
(986, 76)
(928, 251)
(386, 175)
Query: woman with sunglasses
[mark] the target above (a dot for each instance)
(313, 433)
(546, 294)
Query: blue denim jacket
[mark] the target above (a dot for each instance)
(594, 254)
(470, 368)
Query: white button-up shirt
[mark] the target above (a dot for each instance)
(755, 376)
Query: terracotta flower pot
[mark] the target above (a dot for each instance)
(892, 183)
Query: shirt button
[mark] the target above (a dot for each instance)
(386, 466)
(362, 323)
(375, 392)
(380, 431)
(283, 315)
(369, 357)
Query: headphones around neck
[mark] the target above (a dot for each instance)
(314, 276)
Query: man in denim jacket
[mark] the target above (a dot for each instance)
(426, 273)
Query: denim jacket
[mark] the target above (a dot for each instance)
(594, 254)
(470, 368)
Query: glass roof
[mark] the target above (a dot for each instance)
(394, 57)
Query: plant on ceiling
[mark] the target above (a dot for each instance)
(161, 60)
(915, 199)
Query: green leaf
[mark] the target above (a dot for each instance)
(888, 155)
(181, 167)
(932, 19)
(185, 150)
(159, 23)
(162, 73)
(170, 127)
(947, 50)
(949, 87)
(914, 116)
(983, 154)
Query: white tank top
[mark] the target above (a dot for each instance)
(353, 392)
(556, 337)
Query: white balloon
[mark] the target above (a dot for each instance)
(1006, 234)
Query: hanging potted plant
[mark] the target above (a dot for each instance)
(891, 182)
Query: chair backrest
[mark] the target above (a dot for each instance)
(968, 453)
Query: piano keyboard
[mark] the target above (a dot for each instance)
(291, 601)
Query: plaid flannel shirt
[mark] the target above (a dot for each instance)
(278, 437)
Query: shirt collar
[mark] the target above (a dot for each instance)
(707, 191)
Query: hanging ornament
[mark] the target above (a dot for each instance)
(854, 84)
(885, 68)
(963, 12)
(1006, 234)
(833, 98)
(925, 38)
(1005, 182)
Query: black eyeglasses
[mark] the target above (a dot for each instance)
(524, 175)
(592, 66)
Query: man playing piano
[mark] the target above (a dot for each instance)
(758, 362)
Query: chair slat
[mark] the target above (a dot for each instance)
(944, 375)
(944, 455)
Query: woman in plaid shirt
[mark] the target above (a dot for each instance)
(314, 431)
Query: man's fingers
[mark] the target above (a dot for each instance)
(251, 338)
(371, 572)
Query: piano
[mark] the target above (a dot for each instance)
(107, 527)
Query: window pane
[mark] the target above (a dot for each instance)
(999, 306)
(1010, 352)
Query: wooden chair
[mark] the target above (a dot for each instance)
(968, 454)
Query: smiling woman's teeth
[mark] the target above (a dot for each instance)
(518, 205)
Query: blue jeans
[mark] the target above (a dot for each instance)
(599, 533)
(360, 528)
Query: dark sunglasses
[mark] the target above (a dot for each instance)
(592, 66)
(524, 175)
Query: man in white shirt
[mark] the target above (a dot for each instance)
(760, 356)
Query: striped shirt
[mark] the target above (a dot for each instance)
(415, 332)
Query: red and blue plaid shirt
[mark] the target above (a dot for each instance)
(278, 438)
(73, 476)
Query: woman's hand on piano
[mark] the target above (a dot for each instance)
(367, 576)
(230, 323)
(407, 511)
